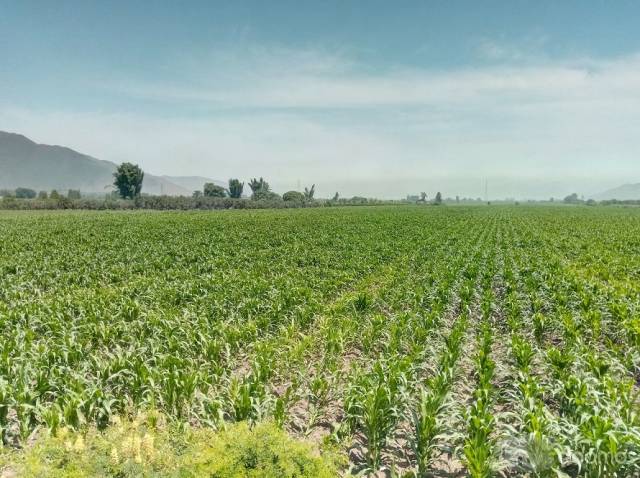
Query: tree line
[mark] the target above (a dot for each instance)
(128, 194)
(129, 178)
(28, 193)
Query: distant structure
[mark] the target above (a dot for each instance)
(413, 198)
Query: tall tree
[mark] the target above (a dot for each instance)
(235, 188)
(214, 191)
(259, 185)
(308, 193)
(572, 198)
(128, 180)
(25, 193)
(438, 199)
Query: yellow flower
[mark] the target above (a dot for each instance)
(127, 447)
(115, 456)
(147, 444)
(137, 442)
(79, 444)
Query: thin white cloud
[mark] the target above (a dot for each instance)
(526, 49)
(305, 80)
(324, 118)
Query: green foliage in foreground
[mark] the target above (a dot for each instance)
(495, 341)
(147, 448)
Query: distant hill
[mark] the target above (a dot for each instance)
(623, 193)
(24, 163)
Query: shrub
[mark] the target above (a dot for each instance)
(214, 191)
(25, 193)
(264, 451)
(264, 195)
(293, 196)
(129, 449)
(146, 448)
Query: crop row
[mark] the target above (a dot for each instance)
(465, 340)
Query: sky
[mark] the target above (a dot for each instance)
(373, 98)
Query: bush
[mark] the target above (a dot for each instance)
(214, 191)
(145, 447)
(25, 193)
(264, 451)
(264, 195)
(293, 196)
(129, 449)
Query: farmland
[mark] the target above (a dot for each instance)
(473, 341)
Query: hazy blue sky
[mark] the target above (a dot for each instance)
(373, 98)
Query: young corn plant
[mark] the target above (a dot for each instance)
(426, 415)
(478, 447)
(247, 398)
(319, 390)
(4, 411)
(281, 406)
(536, 453)
(427, 427)
(372, 405)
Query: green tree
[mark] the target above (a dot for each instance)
(214, 191)
(264, 195)
(293, 196)
(572, 199)
(54, 194)
(438, 199)
(235, 188)
(197, 194)
(259, 185)
(308, 193)
(336, 196)
(73, 194)
(43, 195)
(128, 180)
(25, 193)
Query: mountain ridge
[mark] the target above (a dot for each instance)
(25, 163)
(625, 192)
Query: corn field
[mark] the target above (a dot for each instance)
(417, 341)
